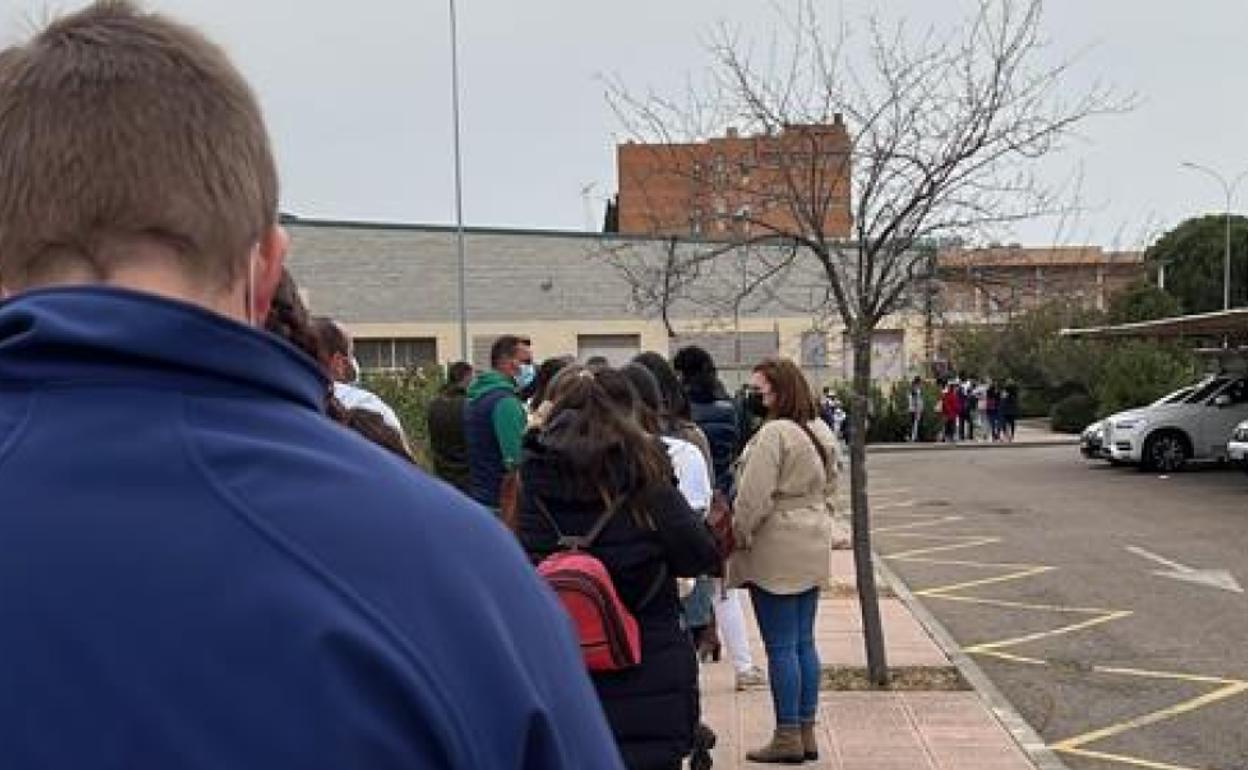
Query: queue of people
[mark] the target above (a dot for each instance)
(217, 551)
(637, 456)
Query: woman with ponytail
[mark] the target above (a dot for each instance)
(589, 456)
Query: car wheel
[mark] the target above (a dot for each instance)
(1166, 452)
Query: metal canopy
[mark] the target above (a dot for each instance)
(1228, 325)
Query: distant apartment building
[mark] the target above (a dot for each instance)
(991, 285)
(733, 184)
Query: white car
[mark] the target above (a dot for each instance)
(1237, 447)
(1165, 436)
(1092, 441)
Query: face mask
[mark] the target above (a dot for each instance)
(249, 293)
(754, 404)
(355, 371)
(526, 375)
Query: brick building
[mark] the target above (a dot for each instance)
(728, 184)
(992, 284)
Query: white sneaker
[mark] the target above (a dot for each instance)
(751, 678)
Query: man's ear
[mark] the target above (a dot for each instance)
(266, 265)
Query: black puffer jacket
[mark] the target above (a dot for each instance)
(714, 412)
(653, 708)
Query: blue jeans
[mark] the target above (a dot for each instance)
(787, 623)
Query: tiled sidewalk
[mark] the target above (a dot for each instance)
(866, 730)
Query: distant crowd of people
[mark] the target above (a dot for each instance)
(970, 410)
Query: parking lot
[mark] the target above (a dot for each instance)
(1104, 602)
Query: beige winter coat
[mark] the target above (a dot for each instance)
(782, 514)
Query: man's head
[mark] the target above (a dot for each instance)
(512, 356)
(459, 374)
(337, 350)
(135, 155)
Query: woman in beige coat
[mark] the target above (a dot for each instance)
(782, 522)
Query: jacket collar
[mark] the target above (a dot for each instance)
(96, 334)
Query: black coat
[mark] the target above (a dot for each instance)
(715, 413)
(652, 708)
(447, 442)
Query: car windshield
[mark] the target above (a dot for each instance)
(1175, 397)
(1202, 392)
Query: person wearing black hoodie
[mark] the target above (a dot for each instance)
(591, 452)
(712, 410)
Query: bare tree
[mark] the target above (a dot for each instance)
(940, 138)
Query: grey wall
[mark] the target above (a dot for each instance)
(394, 274)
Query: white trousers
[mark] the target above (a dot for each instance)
(730, 620)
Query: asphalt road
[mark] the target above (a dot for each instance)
(1022, 554)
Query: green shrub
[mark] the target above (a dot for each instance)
(1073, 413)
(890, 414)
(1138, 373)
(409, 393)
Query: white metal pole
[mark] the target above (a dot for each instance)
(464, 350)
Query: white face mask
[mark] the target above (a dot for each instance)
(355, 371)
(249, 291)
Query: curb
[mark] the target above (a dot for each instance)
(884, 449)
(1027, 738)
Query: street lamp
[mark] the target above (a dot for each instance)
(465, 352)
(1229, 189)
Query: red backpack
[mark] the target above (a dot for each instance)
(608, 633)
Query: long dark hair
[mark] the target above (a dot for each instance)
(289, 319)
(539, 391)
(698, 373)
(634, 390)
(599, 448)
(373, 427)
(675, 404)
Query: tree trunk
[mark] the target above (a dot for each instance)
(868, 597)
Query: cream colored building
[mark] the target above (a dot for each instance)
(395, 288)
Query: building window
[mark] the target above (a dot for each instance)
(618, 349)
(814, 350)
(735, 353)
(396, 353)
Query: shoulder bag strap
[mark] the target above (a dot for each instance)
(653, 590)
(578, 542)
(823, 452)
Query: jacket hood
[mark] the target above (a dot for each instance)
(487, 382)
(110, 335)
(706, 390)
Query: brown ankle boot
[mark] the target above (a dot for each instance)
(785, 748)
(810, 741)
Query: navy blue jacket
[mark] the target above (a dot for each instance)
(199, 570)
(713, 411)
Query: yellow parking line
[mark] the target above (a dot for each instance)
(894, 528)
(1077, 745)
(1037, 636)
(1009, 605)
(975, 543)
(1133, 761)
(1025, 573)
(1230, 689)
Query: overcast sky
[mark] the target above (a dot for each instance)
(357, 97)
